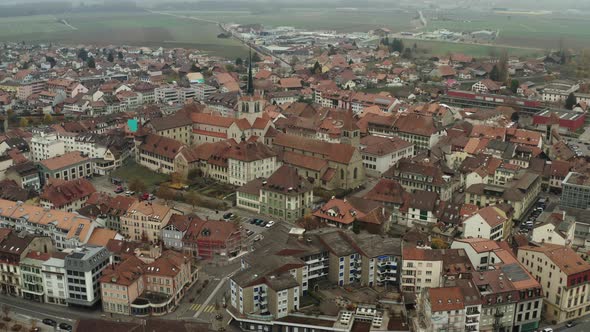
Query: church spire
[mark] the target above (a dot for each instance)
(250, 88)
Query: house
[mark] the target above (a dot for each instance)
(344, 213)
(26, 175)
(158, 153)
(14, 248)
(107, 210)
(284, 195)
(422, 131)
(145, 221)
(211, 239)
(554, 228)
(490, 222)
(486, 86)
(64, 195)
(178, 127)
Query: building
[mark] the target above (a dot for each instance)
(285, 195)
(203, 239)
(344, 213)
(84, 268)
(158, 153)
(381, 153)
(555, 228)
(422, 131)
(490, 222)
(145, 221)
(69, 166)
(147, 288)
(32, 277)
(428, 268)
(54, 279)
(564, 277)
(107, 210)
(45, 145)
(575, 191)
(330, 165)
(425, 176)
(26, 175)
(178, 127)
(67, 196)
(14, 248)
(520, 193)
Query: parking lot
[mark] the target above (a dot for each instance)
(581, 148)
(532, 217)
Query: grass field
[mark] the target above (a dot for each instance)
(443, 48)
(133, 171)
(140, 29)
(543, 31)
(316, 19)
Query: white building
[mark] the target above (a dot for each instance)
(380, 153)
(54, 280)
(488, 223)
(45, 144)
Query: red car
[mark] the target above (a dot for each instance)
(119, 190)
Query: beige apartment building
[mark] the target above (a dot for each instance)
(145, 220)
(564, 278)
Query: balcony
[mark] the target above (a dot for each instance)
(470, 321)
(472, 312)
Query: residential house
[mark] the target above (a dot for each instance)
(67, 196)
(145, 221)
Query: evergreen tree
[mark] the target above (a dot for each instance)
(256, 57)
(495, 74)
(317, 68)
(120, 55)
(91, 63)
(571, 101)
(83, 54)
(111, 57)
(239, 62)
(514, 84)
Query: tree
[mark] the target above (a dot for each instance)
(47, 119)
(120, 55)
(503, 67)
(165, 193)
(438, 243)
(397, 45)
(24, 122)
(6, 312)
(111, 57)
(317, 68)
(194, 174)
(91, 63)
(137, 185)
(193, 199)
(356, 227)
(495, 74)
(350, 62)
(294, 61)
(177, 177)
(195, 68)
(239, 62)
(51, 61)
(571, 101)
(514, 84)
(256, 57)
(332, 51)
(83, 54)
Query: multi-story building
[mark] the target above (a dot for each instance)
(84, 268)
(264, 291)
(250, 160)
(33, 287)
(429, 268)
(107, 210)
(564, 277)
(67, 196)
(575, 191)
(45, 144)
(381, 153)
(422, 131)
(285, 195)
(178, 127)
(70, 166)
(147, 288)
(426, 176)
(490, 222)
(158, 153)
(14, 248)
(145, 221)
(54, 279)
(26, 175)
(520, 193)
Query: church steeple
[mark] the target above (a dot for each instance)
(250, 87)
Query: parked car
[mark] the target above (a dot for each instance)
(258, 237)
(269, 224)
(49, 322)
(129, 193)
(547, 329)
(253, 221)
(249, 232)
(229, 216)
(570, 324)
(119, 190)
(65, 327)
(259, 222)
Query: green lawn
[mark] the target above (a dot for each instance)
(133, 171)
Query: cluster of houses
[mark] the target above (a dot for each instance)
(427, 194)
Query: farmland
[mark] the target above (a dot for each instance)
(141, 29)
(542, 31)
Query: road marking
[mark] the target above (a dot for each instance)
(214, 292)
(204, 308)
